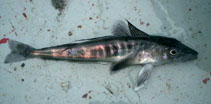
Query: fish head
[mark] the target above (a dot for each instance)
(173, 50)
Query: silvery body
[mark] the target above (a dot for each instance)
(123, 48)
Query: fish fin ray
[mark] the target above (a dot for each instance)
(127, 61)
(120, 29)
(19, 51)
(143, 76)
(118, 66)
(135, 32)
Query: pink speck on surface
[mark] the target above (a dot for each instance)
(147, 24)
(90, 18)
(24, 8)
(205, 80)
(135, 8)
(4, 40)
(93, 4)
(15, 69)
(84, 96)
(210, 73)
(24, 15)
(12, 30)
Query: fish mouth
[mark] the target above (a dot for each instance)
(192, 55)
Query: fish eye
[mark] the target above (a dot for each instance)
(173, 51)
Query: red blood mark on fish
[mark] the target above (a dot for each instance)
(147, 24)
(24, 15)
(4, 40)
(205, 80)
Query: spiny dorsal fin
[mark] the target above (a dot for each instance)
(135, 31)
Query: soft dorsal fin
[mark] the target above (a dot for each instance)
(135, 31)
(120, 28)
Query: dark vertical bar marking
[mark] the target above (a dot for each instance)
(100, 52)
(115, 49)
(123, 48)
(108, 51)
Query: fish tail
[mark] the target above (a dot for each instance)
(19, 52)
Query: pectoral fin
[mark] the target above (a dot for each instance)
(123, 63)
(119, 65)
(143, 76)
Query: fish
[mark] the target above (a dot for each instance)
(125, 47)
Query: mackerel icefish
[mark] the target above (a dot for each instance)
(124, 48)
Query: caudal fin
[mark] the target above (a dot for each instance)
(19, 52)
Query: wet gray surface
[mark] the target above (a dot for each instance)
(39, 24)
